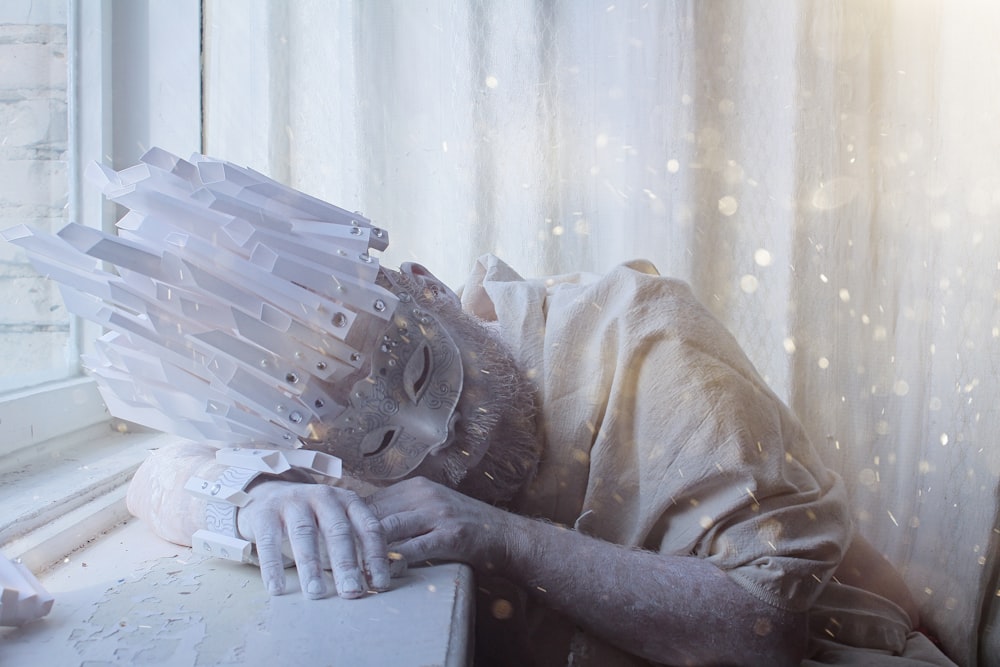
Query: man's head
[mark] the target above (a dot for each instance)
(474, 431)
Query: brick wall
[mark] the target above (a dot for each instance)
(34, 326)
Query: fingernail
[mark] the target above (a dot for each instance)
(352, 587)
(379, 581)
(315, 588)
(275, 587)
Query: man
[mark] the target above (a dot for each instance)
(702, 522)
(598, 449)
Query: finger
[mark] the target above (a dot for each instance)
(381, 503)
(338, 536)
(300, 522)
(416, 550)
(392, 499)
(368, 533)
(403, 526)
(269, 535)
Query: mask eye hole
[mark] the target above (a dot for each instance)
(418, 372)
(378, 441)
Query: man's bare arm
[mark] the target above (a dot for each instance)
(669, 609)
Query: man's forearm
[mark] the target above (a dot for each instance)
(670, 609)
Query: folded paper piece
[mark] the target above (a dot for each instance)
(275, 462)
(22, 598)
(246, 462)
(233, 304)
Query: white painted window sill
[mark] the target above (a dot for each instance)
(131, 598)
(57, 495)
(127, 597)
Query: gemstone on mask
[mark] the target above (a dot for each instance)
(295, 417)
(338, 320)
(379, 305)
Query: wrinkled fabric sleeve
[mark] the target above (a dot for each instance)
(747, 492)
(722, 468)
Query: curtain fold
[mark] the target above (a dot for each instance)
(824, 174)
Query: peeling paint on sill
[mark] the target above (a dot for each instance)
(157, 616)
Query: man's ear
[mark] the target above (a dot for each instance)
(434, 289)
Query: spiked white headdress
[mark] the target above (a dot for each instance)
(235, 307)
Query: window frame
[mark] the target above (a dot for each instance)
(104, 39)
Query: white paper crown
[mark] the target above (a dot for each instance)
(233, 302)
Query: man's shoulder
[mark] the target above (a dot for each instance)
(632, 293)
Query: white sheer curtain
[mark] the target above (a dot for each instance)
(825, 174)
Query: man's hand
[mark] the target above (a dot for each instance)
(318, 520)
(425, 521)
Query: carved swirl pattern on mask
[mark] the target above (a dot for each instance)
(405, 407)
